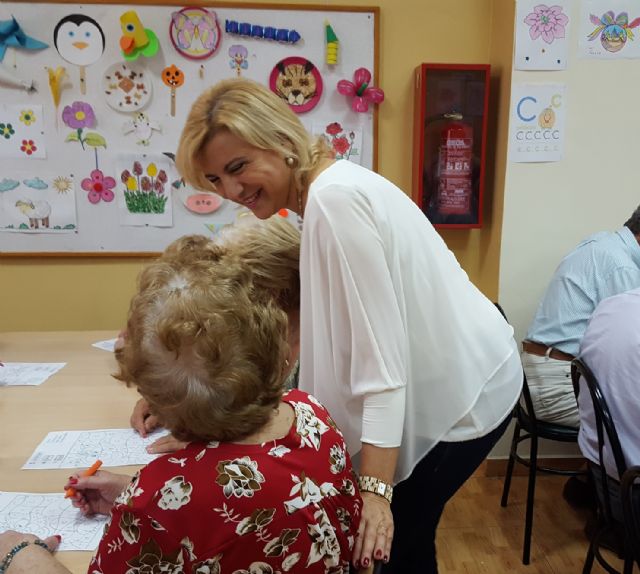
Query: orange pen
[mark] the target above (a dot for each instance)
(89, 472)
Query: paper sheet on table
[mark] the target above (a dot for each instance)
(48, 514)
(80, 449)
(108, 345)
(15, 374)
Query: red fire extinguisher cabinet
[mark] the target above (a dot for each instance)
(449, 142)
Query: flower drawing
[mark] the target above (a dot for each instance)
(341, 143)
(28, 147)
(547, 22)
(27, 117)
(145, 192)
(6, 131)
(79, 115)
(98, 186)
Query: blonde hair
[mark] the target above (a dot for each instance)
(206, 345)
(254, 114)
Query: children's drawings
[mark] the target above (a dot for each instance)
(608, 29)
(144, 191)
(80, 449)
(345, 142)
(22, 131)
(48, 514)
(29, 374)
(43, 204)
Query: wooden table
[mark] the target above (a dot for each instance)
(82, 395)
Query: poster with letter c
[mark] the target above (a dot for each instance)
(537, 122)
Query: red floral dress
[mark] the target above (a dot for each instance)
(289, 505)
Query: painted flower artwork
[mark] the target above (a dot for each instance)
(342, 142)
(6, 131)
(145, 192)
(99, 187)
(547, 22)
(27, 117)
(28, 147)
(80, 116)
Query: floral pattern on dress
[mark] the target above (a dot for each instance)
(286, 506)
(239, 477)
(308, 426)
(175, 493)
(151, 560)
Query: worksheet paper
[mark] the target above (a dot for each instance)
(108, 345)
(48, 514)
(80, 449)
(15, 374)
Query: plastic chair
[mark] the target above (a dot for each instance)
(533, 429)
(608, 520)
(630, 494)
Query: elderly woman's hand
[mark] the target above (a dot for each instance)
(142, 420)
(165, 445)
(96, 494)
(375, 533)
(32, 558)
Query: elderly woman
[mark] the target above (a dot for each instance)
(271, 248)
(418, 368)
(265, 483)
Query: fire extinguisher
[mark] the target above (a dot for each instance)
(455, 166)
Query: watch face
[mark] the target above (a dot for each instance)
(381, 488)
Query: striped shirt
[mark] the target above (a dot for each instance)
(603, 265)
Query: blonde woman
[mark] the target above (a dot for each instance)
(418, 368)
(265, 484)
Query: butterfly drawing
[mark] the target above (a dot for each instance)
(195, 32)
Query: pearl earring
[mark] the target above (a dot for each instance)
(290, 161)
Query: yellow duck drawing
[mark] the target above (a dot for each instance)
(136, 40)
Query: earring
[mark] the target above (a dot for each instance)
(290, 161)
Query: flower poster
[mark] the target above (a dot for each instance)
(537, 122)
(42, 204)
(22, 131)
(609, 30)
(542, 32)
(143, 190)
(345, 142)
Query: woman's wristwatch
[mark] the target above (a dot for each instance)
(376, 486)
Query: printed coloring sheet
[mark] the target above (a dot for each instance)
(49, 514)
(16, 374)
(80, 449)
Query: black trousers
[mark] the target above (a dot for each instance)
(418, 501)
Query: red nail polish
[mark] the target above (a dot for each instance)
(73, 481)
(365, 562)
(378, 554)
(58, 537)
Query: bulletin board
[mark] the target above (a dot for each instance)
(93, 175)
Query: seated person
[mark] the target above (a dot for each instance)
(265, 483)
(610, 348)
(271, 250)
(603, 265)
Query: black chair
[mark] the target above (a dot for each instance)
(609, 511)
(533, 429)
(630, 494)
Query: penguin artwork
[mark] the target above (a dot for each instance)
(80, 40)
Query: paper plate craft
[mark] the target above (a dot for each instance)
(238, 61)
(142, 126)
(136, 40)
(298, 82)
(331, 53)
(360, 92)
(272, 33)
(173, 77)
(126, 87)
(80, 41)
(195, 32)
(11, 34)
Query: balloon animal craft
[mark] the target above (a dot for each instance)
(361, 92)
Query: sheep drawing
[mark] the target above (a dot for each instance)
(35, 210)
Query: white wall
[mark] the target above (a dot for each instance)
(550, 207)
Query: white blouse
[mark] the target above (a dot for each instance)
(396, 341)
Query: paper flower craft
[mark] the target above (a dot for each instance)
(136, 40)
(99, 187)
(11, 34)
(360, 91)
